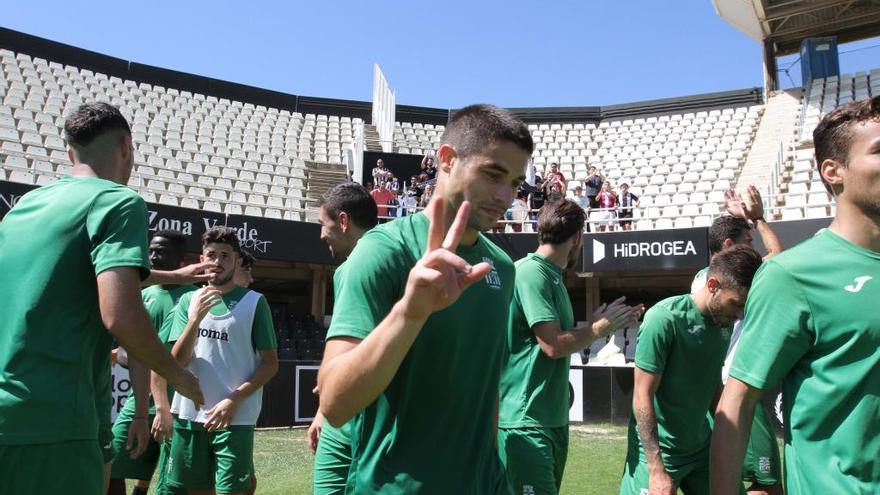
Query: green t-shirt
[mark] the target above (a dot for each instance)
(687, 349)
(54, 243)
(159, 303)
(809, 323)
(534, 387)
(262, 333)
(432, 429)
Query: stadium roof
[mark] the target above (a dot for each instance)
(785, 23)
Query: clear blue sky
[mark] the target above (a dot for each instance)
(440, 54)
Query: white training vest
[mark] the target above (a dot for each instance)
(223, 359)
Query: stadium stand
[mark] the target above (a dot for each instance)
(192, 150)
(230, 156)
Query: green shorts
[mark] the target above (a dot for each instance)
(332, 460)
(51, 468)
(160, 484)
(200, 460)
(534, 458)
(124, 467)
(762, 463)
(691, 478)
(105, 442)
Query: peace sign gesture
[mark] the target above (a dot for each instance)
(440, 276)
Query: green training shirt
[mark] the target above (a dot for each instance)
(534, 387)
(54, 243)
(687, 349)
(432, 429)
(812, 323)
(159, 303)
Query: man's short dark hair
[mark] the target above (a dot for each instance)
(221, 235)
(475, 127)
(726, 227)
(247, 259)
(176, 239)
(559, 221)
(624, 185)
(736, 265)
(833, 136)
(354, 200)
(91, 120)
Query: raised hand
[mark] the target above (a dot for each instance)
(609, 318)
(207, 297)
(733, 203)
(753, 205)
(440, 276)
(194, 273)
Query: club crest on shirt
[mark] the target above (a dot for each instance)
(493, 280)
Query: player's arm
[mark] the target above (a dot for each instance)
(768, 237)
(557, 344)
(334, 347)
(125, 317)
(163, 423)
(646, 385)
(139, 431)
(733, 423)
(190, 274)
(186, 343)
(353, 380)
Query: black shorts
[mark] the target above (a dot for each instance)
(594, 203)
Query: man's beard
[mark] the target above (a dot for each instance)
(223, 281)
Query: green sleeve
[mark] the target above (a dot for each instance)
(534, 293)
(117, 228)
(777, 329)
(655, 340)
(157, 315)
(263, 333)
(178, 318)
(367, 285)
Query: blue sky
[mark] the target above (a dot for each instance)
(440, 54)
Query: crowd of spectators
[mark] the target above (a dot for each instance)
(396, 197)
(607, 209)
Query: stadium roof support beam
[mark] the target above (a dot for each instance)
(796, 7)
(771, 75)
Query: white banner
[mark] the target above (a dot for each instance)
(120, 387)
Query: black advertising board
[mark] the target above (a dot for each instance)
(646, 250)
(793, 232)
(266, 238)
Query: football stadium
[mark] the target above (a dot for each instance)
(212, 287)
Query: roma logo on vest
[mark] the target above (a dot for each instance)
(213, 334)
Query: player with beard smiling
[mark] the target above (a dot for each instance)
(227, 339)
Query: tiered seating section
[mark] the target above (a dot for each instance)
(826, 94)
(801, 192)
(299, 338)
(417, 139)
(678, 164)
(192, 150)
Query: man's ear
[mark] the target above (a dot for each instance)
(713, 284)
(727, 243)
(446, 154)
(343, 220)
(833, 172)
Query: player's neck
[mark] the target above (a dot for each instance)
(856, 226)
(86, 170)
(701, 301)
(555, 253)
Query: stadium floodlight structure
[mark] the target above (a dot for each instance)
(781, 25)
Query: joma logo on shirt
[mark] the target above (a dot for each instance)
(213, 334)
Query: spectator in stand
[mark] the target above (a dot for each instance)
(607, 202)
(415, 187)
(580, 199)
(554, 184)
(380, 173)
(428, 167)
(383, 198)
(426, 196)
(519, 211)
(592, 185)
(409, 202)
(536, 198)
(369, 186)
(626, 201)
